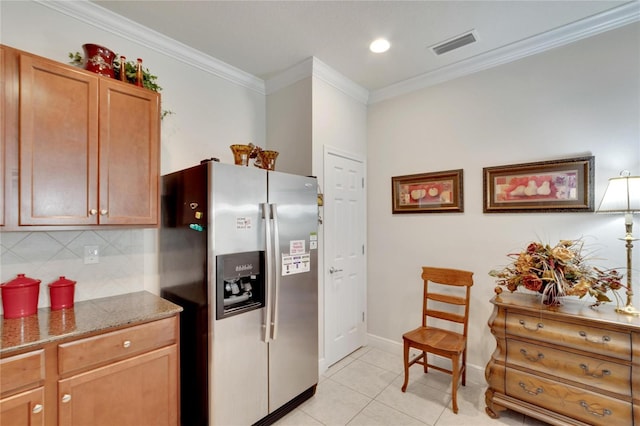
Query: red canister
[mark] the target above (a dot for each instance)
(20, 297)
(61, 293)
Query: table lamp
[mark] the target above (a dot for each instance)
(623, 196)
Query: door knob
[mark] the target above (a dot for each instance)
(333, 270)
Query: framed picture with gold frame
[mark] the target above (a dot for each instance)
(437, 192)
(545, 186)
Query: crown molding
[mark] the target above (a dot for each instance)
(606, 21)
(106, 20)
(313, 66)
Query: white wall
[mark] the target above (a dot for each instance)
(289, 127)
(576, 100)
(339, 123)
(210, 113)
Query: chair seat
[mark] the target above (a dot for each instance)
(431, 338)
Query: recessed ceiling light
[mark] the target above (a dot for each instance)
(379, 46)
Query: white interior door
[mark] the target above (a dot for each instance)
(344, 275)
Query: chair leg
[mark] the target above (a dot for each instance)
(406, 366)
(464, 367)
(455, 371)
(424, 358)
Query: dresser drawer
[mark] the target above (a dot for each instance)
(606, 375)
(21, 372)
(589, 339)
(590, 407)
(94, 351)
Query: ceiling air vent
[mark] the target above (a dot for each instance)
(455, 43)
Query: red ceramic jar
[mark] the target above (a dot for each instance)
(61, 293)
(20, 297)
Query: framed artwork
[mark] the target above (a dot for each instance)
(546, 186)
(437, 192)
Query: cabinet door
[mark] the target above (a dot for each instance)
(58, 144)
(3, 126)
(26, 408)
(129, 154)
(142, 390)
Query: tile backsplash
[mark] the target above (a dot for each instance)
(48, 255)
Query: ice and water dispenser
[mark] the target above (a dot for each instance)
(240, 283)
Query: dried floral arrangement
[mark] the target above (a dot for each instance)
(561, 270)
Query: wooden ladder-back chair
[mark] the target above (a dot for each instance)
(441, 305)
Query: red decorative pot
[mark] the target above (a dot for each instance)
(99, 59)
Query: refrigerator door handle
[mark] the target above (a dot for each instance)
(266, 319)
(277, 264)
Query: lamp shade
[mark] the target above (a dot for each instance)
(621, 196)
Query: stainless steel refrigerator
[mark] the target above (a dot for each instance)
(238, 250)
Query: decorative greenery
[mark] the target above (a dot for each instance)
(149, 81)
(558, 271)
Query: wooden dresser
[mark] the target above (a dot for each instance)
(566, 365)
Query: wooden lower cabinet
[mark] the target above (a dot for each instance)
(138, 391)
(567, 365)
(128, 376)
(22, 379)
(26, 408)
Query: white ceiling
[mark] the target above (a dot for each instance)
(264, 38)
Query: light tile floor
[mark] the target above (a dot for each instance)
(364, 389)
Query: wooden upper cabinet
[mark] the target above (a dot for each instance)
(3, 155)
(89, 148)
(129, 152)
(58, 144)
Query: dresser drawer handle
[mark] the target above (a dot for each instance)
(538, 391)
(603, 339)
(596, 375)
(66, 398)
(531, 357)
(605, 411)
(37, 408)
(524, 325)
(126, 344)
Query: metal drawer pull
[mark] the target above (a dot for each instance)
(530, 392)
(603, 339)
(66, 398)
(524, 325)
(604, 372)
(530, 357)
(93, 212)
(126, 344)
(37, 408)
(605, 411)
(104, 212)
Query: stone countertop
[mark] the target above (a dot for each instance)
(84, 318)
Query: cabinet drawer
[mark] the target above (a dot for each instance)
(94, 351)
(606, 375)
(590, 407)
(21, 372)
(590, 339)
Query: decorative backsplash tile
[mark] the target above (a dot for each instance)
(48, 255)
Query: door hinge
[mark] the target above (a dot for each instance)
(362, 183)
(362, 316)
(363, 249)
